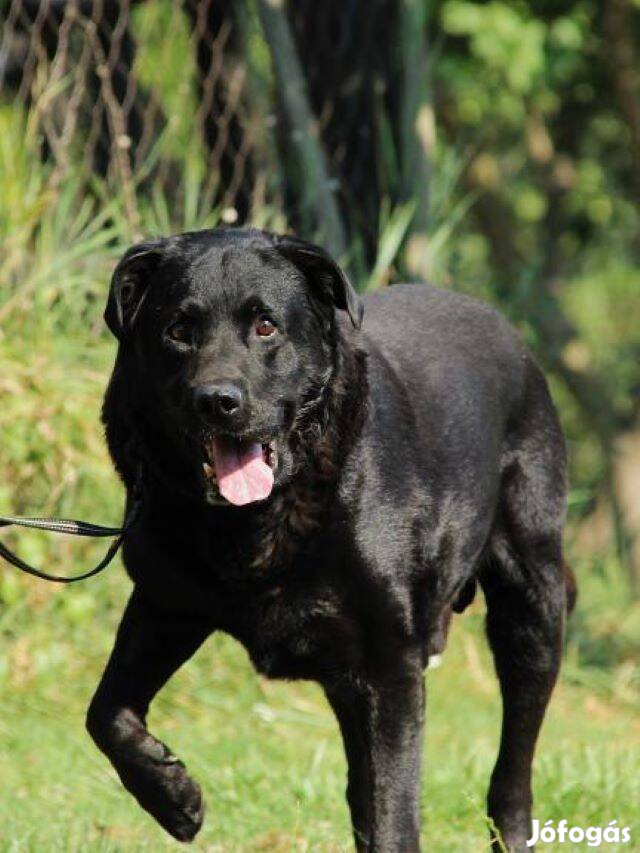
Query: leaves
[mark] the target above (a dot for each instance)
(507, 42)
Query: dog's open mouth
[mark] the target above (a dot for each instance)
(240, 471)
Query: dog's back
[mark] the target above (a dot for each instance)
(455, 356)
(455, 393)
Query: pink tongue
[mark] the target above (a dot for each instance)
(243, 475)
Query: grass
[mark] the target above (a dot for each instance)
(268, 754)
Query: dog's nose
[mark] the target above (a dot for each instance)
(221, 402)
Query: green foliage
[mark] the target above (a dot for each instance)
(528, 89)
(605, 308)
(510, 44)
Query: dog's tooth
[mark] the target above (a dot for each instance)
(209, 472)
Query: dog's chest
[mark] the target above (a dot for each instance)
(286, 591)
(300, 630)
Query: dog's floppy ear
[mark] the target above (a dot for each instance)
(324, 275)
(129, 286)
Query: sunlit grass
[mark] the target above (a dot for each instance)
(268, 754)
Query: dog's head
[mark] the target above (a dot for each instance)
(229, 342)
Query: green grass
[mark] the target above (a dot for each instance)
(268, 754)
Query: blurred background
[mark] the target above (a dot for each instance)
(488, 147)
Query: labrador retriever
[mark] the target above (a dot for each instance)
(328, 492)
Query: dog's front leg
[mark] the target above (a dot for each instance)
(381, 725)
(149, 648)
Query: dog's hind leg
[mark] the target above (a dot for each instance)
(525, 585)
(524, 626)
(149, 648)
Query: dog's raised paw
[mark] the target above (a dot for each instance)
(181, 812)
(165, 790)
(185, 821)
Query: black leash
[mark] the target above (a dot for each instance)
(74, 528)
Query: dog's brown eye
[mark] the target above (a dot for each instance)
(179, 332)
(264, 327)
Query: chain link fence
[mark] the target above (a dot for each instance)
(259, 108)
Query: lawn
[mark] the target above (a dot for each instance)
(267, 753)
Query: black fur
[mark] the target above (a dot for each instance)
(417, 456)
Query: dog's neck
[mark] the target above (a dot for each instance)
(323, 443)
(323, 435)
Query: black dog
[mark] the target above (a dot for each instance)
(327, 496)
